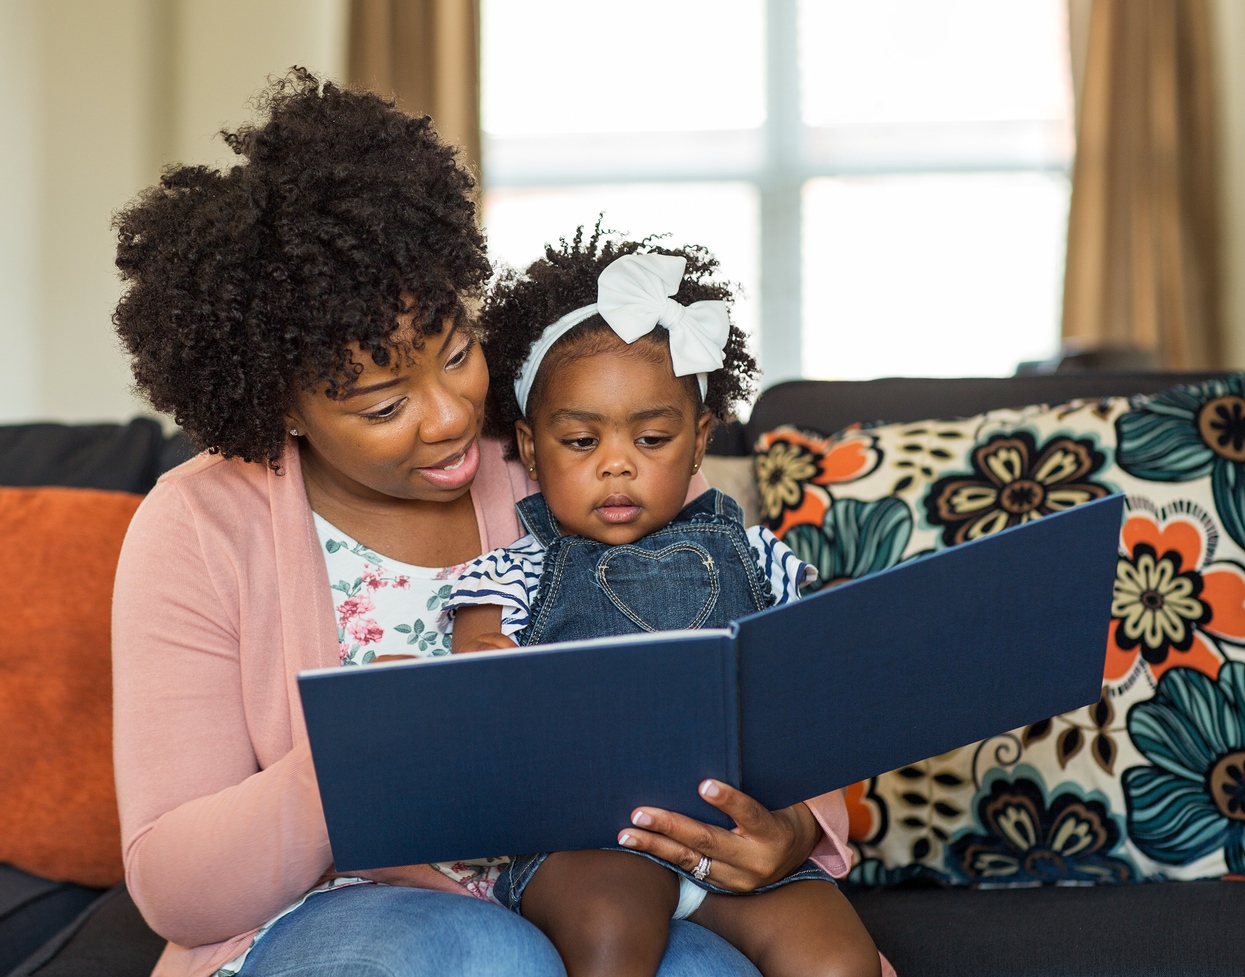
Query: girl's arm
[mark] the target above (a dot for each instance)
(477, 627)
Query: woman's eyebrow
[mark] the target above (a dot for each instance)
(370, 388)
(386, 384)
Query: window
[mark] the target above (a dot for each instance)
(888, 181)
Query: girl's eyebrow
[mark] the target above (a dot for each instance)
(666, 411)
(572, 414)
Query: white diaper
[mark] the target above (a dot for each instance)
(690, 897)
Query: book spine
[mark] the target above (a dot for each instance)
(730, 709)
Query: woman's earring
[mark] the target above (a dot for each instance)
(294, 432)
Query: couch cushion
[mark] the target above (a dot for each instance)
(117, 457)
(1190, 929)
(1150, 782)
(59, 816)
(831, 405)
(107, 939)
(32, 910)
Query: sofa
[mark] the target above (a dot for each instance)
(60, 928)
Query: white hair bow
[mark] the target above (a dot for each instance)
(633, 297)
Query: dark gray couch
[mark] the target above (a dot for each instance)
(1188, 928)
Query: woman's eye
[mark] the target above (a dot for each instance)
(386, 412)
(461, 354)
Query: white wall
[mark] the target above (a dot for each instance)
(95, 96)
(227, 48)
(1229, 29)
(20, 370)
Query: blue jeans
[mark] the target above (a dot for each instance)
(393, 931)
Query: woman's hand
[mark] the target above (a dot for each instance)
(764, 846)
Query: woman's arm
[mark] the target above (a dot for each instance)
(213, 846)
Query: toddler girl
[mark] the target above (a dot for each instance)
(616, 385)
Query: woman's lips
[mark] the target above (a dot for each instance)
(456, 471)
(618, 510)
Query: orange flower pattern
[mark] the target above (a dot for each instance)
(1170, 606)
(794, 471)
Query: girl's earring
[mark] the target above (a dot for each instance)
(532, 471)
(696, 467)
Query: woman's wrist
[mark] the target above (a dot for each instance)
(808, 834)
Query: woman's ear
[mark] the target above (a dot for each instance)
(294, 424)
(704, 425)
(527, 447)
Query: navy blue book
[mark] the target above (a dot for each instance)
(550, 748)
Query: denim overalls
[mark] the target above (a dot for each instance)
(700, 571)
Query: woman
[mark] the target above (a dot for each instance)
(302, 317)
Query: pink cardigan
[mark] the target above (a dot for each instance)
(221, 599)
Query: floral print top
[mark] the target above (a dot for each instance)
(384, 607)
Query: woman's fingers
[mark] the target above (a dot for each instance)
(749, 814)
(687, 833)
(764, 846)
(721, 873)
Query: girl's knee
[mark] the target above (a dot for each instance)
(854, 957)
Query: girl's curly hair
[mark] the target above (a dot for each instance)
(520, 305)
(245, 287)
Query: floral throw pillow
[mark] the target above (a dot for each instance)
(1148, 783)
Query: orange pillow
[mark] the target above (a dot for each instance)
(58, 558)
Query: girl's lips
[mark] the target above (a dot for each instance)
(457, 471)
(618, 510)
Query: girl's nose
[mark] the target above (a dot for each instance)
(617, 463)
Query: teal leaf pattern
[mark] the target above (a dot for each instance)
(855, 539)
(1191, 801)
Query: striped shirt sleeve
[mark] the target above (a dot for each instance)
(785, 571)
(507, 577)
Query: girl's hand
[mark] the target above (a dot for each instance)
(477, 627)
(764, 846)
(484, 642)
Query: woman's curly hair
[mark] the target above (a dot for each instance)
(520, 305)
(245, 287)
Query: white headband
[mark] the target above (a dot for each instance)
(633, 298)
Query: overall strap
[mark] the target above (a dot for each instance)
(537, 519)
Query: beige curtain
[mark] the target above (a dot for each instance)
(1143, 240)
(426, 54)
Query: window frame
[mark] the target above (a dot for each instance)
(778, 159)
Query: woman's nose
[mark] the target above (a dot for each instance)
(447, 415)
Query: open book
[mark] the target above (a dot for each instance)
(550, 748)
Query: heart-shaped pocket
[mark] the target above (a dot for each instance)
(671, 589)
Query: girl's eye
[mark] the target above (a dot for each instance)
(386, 412)
(580, 443)
(652, 440)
